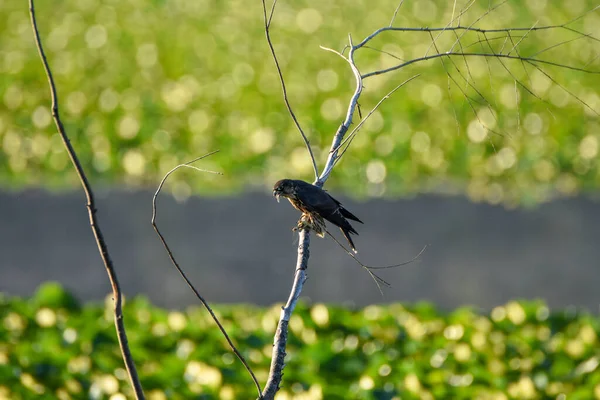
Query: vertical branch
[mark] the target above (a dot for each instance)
(90, 204)
(281, 334)
(280, 339)
(341, 132)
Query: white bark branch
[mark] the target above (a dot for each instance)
(281, 334)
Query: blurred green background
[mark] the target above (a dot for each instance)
(145, 85)
(520, 350)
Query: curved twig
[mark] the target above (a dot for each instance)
(184, 276)
(378, 280)
(352, 134)
(343, 129)
(91, 207)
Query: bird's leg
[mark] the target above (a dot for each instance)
(303, 222)
(311, 222)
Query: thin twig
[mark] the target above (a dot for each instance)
(184, 276)
(396, 12)
(334, 52)
(378, 280)
(343, 129)
(473, 29)
(387, 53)
(352, 134)
(281, 334)
(515, 45)
(457, 19)
(589, 107)
(468, 84)
(490, 55)
(91, 207)
(282, 81)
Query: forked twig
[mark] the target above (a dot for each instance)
(348, 140)
(182, 273)
(91, 207)
(376, 278)
(343, 129)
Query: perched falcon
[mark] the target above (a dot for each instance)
(316, 205)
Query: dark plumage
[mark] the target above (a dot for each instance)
(316, 205)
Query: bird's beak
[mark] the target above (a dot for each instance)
(276, 195)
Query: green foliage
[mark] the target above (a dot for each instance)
(145, 85)
(55, 349)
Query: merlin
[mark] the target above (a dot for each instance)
(316, 205)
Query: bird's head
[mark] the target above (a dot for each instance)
(284, 187)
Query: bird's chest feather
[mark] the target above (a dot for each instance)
(298, 205)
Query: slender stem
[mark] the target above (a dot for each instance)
(182, 273)
(341, 132)
(283, 87)
(90, 204)
(529, 60)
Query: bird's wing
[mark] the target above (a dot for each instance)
(324, 200)
(349, 215)
(317, 200)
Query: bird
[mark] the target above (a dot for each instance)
(316, 205)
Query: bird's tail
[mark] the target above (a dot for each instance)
(346, 234)
(349, 215)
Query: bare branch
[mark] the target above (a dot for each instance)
(377, 279)
(267, 20)
(566, 90)
(396, 12)
(334, 52)
(341, 132)
(473, 29)
(91, 207)
(469, 84)
(457, 18)
(520, 40)
(352, 134)
(387, 53)
(529, 60)
(184, 276)
(281, 334)
(558, 44)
